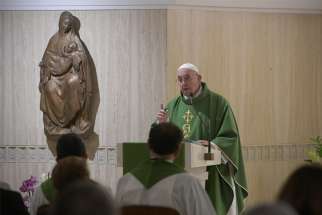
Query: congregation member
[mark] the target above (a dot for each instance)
(274, 208)
(303, 190)
(66, 172)
(84, 197)
(67, 145)
(159, 182)
(11, 203)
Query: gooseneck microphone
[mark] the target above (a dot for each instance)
(208, 155)
(190, 98)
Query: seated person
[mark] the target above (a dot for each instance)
(69, 170)
(274, 208)
(159, 182)
(303, 190)
(84, 197)
(11, 203)
(67, 145)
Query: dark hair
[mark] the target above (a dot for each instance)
(303, 190)
(165, 138)
(43, 210)
(69, 170)
(279, 208)
(70, 145)
(84, 197)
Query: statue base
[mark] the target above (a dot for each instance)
(91, 144)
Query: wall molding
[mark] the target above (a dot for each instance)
(292, 6)
(282, 152)
(17, 163)
(248, 9)
(42, 154)
(107, 155)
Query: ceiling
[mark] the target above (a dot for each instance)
(310, 6)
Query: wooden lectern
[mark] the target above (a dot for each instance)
(190, 157)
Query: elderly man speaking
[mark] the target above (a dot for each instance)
(207, 118)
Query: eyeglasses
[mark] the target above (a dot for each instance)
(185, 79)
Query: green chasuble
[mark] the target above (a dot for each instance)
(48, 189)
(215, 121)
(152, 171)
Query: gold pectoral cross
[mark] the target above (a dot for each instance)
(187, 116)
(186, 128)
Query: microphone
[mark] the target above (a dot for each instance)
(208, 155)
(190, 98)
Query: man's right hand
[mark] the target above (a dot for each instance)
(162, 116)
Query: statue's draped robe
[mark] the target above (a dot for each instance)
(68, 103)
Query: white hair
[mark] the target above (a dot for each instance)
(188, 66)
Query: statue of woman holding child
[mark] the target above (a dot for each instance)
(68, 85)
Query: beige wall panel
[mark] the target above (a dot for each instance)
(268, 66)
(265, 179)
(129, 51)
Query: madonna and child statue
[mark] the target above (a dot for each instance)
(68, 86)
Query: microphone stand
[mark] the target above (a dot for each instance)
(209, 155)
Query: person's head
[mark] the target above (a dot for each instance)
(303, 190)
(66, 22)
(84, 198)
(70, 145)
(278, 208)
(188, 79)
(69, 170)
(164, 139)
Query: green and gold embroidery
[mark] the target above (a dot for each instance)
(186, 128)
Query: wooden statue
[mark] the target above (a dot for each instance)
(68, 86)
